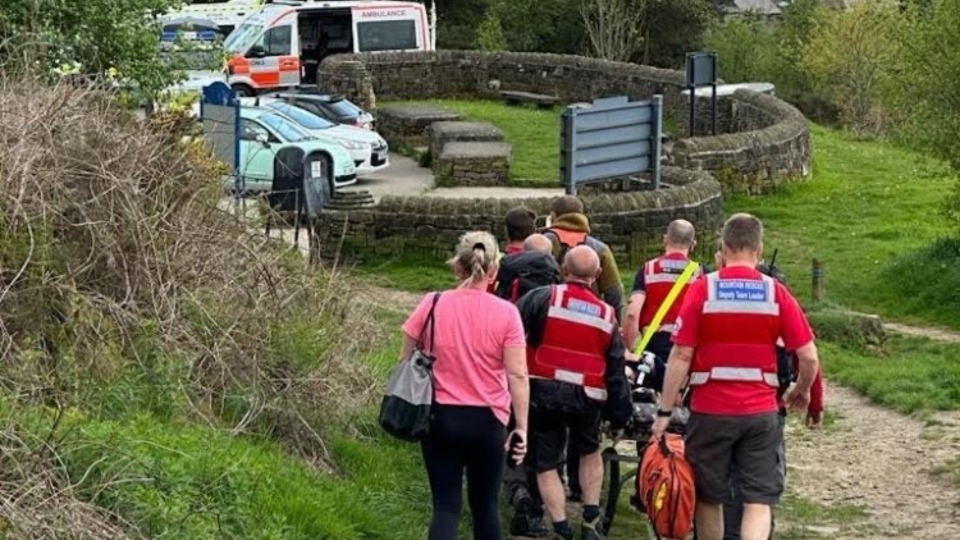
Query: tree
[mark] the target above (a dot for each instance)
(613, 28)
(746, 49)
(672, 28)
(540, 26)
(121, 36)
(798, 22)
(490, 36)
(851, 56)
(928, 82)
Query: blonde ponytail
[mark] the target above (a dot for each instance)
(476, 253)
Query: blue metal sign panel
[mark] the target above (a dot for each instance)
(701, 69)
(611, 138)
(220, 114)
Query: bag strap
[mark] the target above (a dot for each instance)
(429, 321)
(665, 306)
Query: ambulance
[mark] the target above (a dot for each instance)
(282, 45)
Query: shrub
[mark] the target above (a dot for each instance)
(490, 36)
(127, 289)
(746, 49)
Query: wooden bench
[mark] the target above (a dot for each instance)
(542, 101)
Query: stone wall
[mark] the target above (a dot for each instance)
(771, 146)
(703, 119)
(631, 223)
(475, 74)
(763, 141)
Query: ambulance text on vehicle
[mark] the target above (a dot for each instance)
(282, 45)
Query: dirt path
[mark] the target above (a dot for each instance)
(936, 334)
(879, 461)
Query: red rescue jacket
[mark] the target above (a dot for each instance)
(576, 337)
(736, 360)
(659, 276)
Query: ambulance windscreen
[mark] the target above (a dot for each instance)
(242, 38)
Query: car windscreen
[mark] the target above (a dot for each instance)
(287, 130)
(300, 116)
(387, 35)
(343, 107)
(242, 38)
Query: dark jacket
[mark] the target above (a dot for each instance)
(527, 271)
(608, 285)
(561, 396)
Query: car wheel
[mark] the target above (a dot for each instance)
(243, 90)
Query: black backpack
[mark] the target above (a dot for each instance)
(784, 357)
(520, 273)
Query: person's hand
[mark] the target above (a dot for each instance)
(519, 450)
(660, 426)
(796, 400)
(814, 419)
(629, 356)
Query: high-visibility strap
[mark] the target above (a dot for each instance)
(734, 374)
(663, 328)
(665, 306)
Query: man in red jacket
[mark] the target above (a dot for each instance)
(726, 341)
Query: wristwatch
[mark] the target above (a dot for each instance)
(664, 414)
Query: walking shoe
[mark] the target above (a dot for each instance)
(592, 530)
(528, 521)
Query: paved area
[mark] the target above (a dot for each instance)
(405, 176)
(494, 192)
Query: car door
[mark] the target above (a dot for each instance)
(257, 150)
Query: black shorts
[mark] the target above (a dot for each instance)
(743, 449)
(548, 436)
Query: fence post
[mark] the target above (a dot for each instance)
(817, 286)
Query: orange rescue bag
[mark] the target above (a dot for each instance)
(666, 488)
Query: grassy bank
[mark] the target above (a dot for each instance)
(908, 374)
(870, 213)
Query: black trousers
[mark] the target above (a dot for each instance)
(464, 440)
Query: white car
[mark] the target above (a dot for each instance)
(370, 152)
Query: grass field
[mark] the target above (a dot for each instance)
(871, 214)
(534, 134)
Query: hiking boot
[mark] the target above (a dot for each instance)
(528, 521)
(592, 530)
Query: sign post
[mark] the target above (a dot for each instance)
(702, 71)
(611, 138)
(220, 114)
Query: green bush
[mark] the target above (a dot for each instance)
(846, 328)
(490, 35)
(746, 49)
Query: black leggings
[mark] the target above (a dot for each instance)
(461, 438)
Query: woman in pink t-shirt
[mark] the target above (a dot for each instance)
(480, 370)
